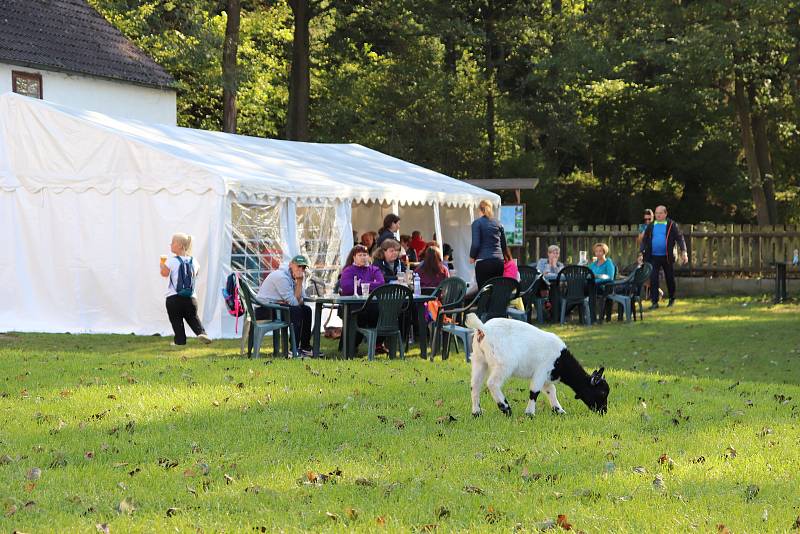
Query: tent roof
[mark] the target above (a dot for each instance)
(43, 145)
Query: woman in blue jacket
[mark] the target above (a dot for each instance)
(488, 244)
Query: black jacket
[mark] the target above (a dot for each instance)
(384, 235)
(674, 235)
(389, 273)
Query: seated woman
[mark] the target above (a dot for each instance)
(368, 240)
(358, 267)
(604, 273)
(432, 271)
(387, 259)
(550, 266)
(357, 270)
(603, 268)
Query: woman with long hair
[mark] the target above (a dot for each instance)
(488, 244)
(432, 270)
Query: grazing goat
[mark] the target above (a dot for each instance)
(505, 348)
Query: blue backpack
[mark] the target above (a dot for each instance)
(185, 286)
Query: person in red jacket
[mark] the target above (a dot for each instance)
(418, 244)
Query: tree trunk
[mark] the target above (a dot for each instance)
(742, 105)
(230, 75)
(763, 156)
(491, 134)
(300, 77)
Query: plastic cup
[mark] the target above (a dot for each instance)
(583, 256)
(365, 290)
(163, 259)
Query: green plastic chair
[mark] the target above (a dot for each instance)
(255, 330)
(574, 282)
(392, 300)
(628, 292)
(450, 292)
(457, 330)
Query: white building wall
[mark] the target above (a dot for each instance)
(121, 99)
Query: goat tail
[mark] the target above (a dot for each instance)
(473, 322)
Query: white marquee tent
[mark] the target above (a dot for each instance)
(88, 203)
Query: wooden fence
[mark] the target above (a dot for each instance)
(714, 249)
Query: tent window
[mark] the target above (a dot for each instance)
(320, 241)
(256, 249)
(26, 83)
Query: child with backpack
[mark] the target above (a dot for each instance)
(181, 302)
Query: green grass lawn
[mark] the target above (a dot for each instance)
(702, 430)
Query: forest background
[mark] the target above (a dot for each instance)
(614, 105)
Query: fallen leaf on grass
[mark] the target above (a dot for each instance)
(730, 453)
(722, 529)
(639, 470)
(430, 527)
(796, 525)
(166, 463)
(360, 481)
(321, 478)
(665, 460)
(441, 512)
(133, 472)
(399, 424)
(88, 455)
(332, 516)
(658, 482)
(445, 419)
(751, 492)
(172, 511)
(473, 489)
(493, 516)
(6, 459)
(126, 506)
(33, 473)
(380, 521)
(351, 513)
(11, 509)
(563, 522)
(30, 486)
(547, 524)
(189, 473)
(438, 402)
(103, 527)
(766, 431)
(228, 479)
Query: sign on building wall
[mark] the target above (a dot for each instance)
(512, 218)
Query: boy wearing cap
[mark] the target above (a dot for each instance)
(285, 286)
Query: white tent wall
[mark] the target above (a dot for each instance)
(88, 262)
(457, 231)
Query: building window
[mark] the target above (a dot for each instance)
(26, 83)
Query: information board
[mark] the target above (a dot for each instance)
(512, 217)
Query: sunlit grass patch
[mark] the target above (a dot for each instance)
(129, 432)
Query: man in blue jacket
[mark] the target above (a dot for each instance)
(658, 244)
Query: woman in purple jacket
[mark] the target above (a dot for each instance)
(357, 270)
(358, 267)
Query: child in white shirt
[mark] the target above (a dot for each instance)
(181, 301)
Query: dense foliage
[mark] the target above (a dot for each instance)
(614, 105)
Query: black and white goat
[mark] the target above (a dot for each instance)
(504, 348)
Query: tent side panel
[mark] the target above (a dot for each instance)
(457, 231)
(88, 262)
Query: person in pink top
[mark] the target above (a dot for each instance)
(510, 269)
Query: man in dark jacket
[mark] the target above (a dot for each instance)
(658, 243)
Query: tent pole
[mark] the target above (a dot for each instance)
(437, 224)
